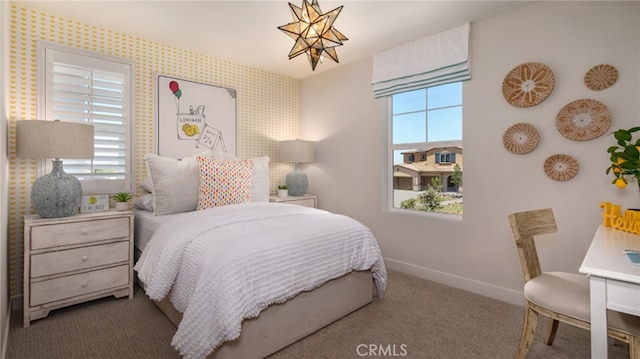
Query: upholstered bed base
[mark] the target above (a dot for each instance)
(283, 324)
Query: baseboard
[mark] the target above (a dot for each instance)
(474, 286)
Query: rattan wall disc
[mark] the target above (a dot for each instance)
(521, 138)
(601, 77)
(561, 167)
(583, 120)
(528, 84)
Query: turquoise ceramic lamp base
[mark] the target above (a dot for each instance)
(296, 182)
(56, 194)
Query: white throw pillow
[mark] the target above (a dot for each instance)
(260, 183)
(175, 183)
(147, 184)
(144, 202)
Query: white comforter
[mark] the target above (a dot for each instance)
(225, 264)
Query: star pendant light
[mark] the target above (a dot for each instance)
(313, 32)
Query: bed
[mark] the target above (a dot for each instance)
(245, 280)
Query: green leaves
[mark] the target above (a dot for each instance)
(625, 157)
(121, 197)
(624, 136)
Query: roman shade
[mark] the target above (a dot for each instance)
(435, 60)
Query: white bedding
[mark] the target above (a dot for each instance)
(257, 254)
(147, 223)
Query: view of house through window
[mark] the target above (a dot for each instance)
(426, 149)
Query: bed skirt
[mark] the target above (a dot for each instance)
(281, 325)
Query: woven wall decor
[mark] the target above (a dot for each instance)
(521, 138)
(601, 77)
(561, 167)
(583, 120)
(528, 84)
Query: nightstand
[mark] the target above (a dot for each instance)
(306, 200)
(75, 259)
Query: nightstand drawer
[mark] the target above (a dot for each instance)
(78, 232)
(78, 258)
(75, 285)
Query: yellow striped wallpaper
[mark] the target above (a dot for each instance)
(267, 104)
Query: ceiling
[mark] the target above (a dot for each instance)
(245, 32)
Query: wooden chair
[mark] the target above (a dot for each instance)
(562, 297)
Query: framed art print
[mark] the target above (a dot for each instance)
(193, 117)
(94, 203)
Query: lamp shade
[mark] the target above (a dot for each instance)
(54, 139)
(297, 151)
(56, 194)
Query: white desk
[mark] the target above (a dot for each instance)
(614, 282)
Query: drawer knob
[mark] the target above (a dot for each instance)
(84, 284)
(84, 258)
(84, 232)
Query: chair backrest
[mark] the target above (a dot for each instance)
(525, 226)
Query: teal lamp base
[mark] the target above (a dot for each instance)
(56, 194)
(296, 182)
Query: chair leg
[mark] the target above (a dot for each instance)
(634, 347)
(551, 332)
(528, 332)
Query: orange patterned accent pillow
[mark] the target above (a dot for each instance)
(224, 182)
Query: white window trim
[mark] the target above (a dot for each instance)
(44, 166)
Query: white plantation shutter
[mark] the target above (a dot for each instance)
(91, 88)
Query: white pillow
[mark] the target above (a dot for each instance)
(260, 182)
(175, 183)
(147, 184)
(144, 202)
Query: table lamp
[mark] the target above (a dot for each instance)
(297, 151)
(56, 194)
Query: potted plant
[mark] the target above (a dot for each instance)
(283, 192)
(122, 201)
(625, 158)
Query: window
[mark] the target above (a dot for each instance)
(86, 87)
(428, 123)
(444, 157)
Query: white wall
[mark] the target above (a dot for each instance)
(478, 253)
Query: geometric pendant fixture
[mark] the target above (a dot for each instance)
(313, 32)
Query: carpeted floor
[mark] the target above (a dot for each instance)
(415, 319)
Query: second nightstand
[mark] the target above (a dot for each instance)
(306, 200)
